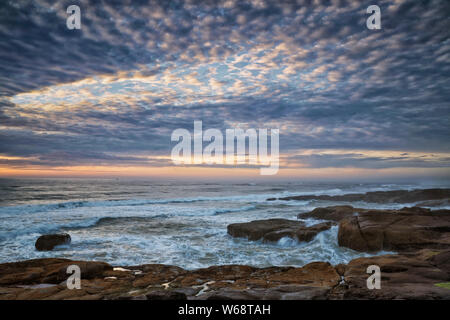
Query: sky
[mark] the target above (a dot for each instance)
(349, 102)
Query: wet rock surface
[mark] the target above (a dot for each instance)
(396, 196)
(410, 276)
(48, 241)
(400, 231)
(419, 275)
(419, 270)
(48, 271)
(275, 229)
(406, 229)
(334, 213)
(24, 280)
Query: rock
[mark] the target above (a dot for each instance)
(335, 213)
(27, 272)
(349, 236)
(88, 270)
(420, 275)
(283, 292)
(275, 229)
(406, 229)
(50, 271)
(166, 295)
(371, 230)
(49, 241)
(231, 294)
(441, 260)
(312, 281)
(314, 274)
(434, 203)
(230, 281)
(156, 273)
(395, 196)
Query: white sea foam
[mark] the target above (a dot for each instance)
(161, 227)
(20, 209)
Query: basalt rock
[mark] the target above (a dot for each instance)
(396, 196)
(335, 213)
(421, 275)
(396, 230)
(49, 241)
(275, 229)
(371, 230)
(166, 295)
(165, 282)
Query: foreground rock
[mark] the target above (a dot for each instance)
(275, 229)
(422, 275)
(41, 279)
(436, 196)
(49, 271)
(407, 229)
(396, 231)
(49, 241)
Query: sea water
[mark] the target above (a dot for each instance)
(132, 222)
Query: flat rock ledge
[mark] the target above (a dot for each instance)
(424, 197)
(48, 241)
(403, 230)
(422, 275)
(274, 229)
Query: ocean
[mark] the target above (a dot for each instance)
(133, 222)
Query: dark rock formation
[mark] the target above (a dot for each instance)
(420, 275)
(372, 230)
(421, 269)
(50, 271)
(49, 241)
(396, 196)
(402, 230)
(414, 276)
(169, 282)
(275, 229)
(335, 213)
(166, 295)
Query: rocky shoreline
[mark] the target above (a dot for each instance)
(421, 275)
(422, 197)
(419, 270)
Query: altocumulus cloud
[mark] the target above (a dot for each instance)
(112, 92)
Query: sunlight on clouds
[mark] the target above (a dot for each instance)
(342, 96)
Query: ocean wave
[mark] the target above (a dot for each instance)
(258, 198)
(44, 227)
(114, 220)
(131, 202)
(224, 211)
(255, 197)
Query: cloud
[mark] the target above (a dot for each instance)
(113, 91)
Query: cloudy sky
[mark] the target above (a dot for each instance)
(104, 100)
